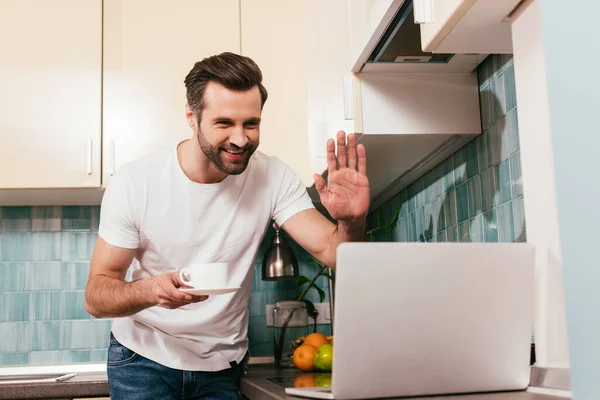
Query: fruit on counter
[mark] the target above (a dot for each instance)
(304, 357)
(316, 339)
(324, 358)
(323, 380)
(305, 380)
(300, 341)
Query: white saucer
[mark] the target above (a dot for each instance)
(209, 292)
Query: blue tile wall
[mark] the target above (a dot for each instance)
(44, 266)
(475, 195)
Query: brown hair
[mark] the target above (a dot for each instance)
(233, 71)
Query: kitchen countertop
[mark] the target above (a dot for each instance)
(255, 386)
(84, 384)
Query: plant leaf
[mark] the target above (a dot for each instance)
(321, 293)
(327, 276)
(314, 260)
(310, 307)
(395, 218)
(301, 280)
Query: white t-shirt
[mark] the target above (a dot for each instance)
(150, 205)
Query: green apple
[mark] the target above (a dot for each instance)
(324, 357)
(323, 380)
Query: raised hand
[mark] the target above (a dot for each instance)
(346, 195)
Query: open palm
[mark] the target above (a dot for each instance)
(346, 194)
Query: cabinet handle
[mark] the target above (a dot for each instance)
(89, 156)
(112, 157)
(424, 11)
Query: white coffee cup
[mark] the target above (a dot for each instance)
(205, 275)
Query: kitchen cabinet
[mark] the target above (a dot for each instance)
(50, 80)
(329, 81)
(149, 48)
(411, 122)
(469, 26)
(274, 35)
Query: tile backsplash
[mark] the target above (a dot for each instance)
(476, 194)
(44, 265)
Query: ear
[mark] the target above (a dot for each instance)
(189, 115)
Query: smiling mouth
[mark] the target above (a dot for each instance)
(234, 152)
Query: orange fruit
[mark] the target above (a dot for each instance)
(316, 339)
(305, 380)
(304, 357)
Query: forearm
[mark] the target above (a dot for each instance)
(109, 297)
(353, 231)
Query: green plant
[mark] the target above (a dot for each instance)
(302, 280)
(383, 228)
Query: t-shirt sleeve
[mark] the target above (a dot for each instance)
(118, 225)
(290, 193)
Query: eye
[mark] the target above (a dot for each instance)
(224, 123)
(252, 124)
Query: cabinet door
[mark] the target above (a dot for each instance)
(329, 82)
(50, 77)
(149, 48)
(274, 35)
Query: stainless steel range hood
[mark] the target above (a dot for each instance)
(396, 47)
(401, 42)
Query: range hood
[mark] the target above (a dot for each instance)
(396, 46)
(401, 42)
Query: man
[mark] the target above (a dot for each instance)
(207, 199)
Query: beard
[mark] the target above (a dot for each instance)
(217, 155)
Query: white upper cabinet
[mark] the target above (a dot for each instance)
(469, 26)
(50, 93)
(329, 80)
(274, 35)
(411, 122)
(149, 48)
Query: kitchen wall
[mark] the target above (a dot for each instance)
(44, 266)
(475, 195)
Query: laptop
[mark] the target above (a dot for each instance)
(416, 319)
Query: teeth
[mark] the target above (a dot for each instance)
(235, 151)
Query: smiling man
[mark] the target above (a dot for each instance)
(207, 199)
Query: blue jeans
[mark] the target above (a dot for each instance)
(134, 377)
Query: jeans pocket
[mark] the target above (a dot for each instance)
(119, 354)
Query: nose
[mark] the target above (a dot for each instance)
(238, 138)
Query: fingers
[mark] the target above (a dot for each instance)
(170, 297)
(331, 160)
(341, 149)
(362, 159)
(178, 283)
(352, 151)
(320, 185)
